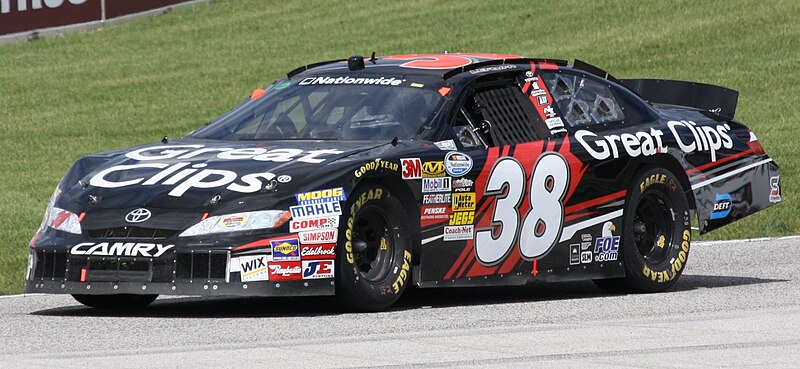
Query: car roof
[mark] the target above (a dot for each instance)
(444, 66)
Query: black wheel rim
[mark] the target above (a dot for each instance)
(373, 226)
(653, 225)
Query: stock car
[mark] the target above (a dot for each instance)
(362, 176)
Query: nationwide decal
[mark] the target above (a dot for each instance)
(300, 225)
(382, 81)
(775, 189)
(320, 196)
(606, 248)
(463, 185)
(184, 176)
(285, 271)
(148, 250)
(287, 249)
(722, 206)
(432, 169)
(317, 269)
(464, 201)
(319, 236)
(411, 168)
(377, 164)
(441, 184)
(438, 198)
(462, 218)
(315, 210)
(689, 136)
(457, 164)
(458, 233)
(325, 251)
(253, 268)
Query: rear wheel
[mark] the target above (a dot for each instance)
(374, 258)
(656, 234)
(116, 302)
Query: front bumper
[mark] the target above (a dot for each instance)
(183, 270)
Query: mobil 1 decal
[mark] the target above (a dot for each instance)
(519, 209)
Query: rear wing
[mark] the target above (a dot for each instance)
(719, 100)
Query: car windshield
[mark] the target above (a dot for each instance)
(330, 108)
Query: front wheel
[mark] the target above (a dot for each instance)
(116, 302)
(656, 234)
(373, 265)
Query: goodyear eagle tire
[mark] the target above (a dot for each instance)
(656, 234)
(116, 302)
(373, 265)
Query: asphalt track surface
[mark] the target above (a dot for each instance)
(737, 305)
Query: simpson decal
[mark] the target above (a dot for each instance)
(319, 236)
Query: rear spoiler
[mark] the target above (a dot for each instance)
(719, 100)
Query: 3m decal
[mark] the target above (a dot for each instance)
(253, 268)
(457, 164)
(320, 196)
(317, 269)
(287, 249)
(300, 225)
(411, 168)
(148, 250)
(441, 184)
(722, 206)
(542, 225)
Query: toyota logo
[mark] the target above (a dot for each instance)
(138, 215)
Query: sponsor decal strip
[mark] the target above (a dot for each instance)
(729, 174)
(570, 230)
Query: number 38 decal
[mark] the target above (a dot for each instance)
(541, 227)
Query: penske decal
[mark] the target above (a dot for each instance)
(148, 250)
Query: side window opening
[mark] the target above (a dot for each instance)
(584, 101)
(497, 115)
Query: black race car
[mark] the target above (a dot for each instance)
(360, 177)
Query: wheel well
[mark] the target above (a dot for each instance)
(403, 193)
(671, 164)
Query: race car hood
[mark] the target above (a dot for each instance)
(191, 174)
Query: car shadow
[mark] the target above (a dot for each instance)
(414, 298)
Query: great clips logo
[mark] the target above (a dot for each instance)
(183, 175)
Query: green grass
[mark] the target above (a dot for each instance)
(133, 83)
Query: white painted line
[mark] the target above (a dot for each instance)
(731, 173)
(745, 240)
(434, 238)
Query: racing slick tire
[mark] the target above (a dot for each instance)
(373, 265)
(655, 234)
(116, 302)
